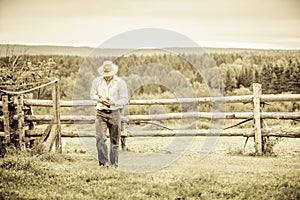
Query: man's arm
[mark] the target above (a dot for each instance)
(93, 93)
(123, 94)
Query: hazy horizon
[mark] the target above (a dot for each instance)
(212, 45)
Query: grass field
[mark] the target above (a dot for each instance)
(225, 173)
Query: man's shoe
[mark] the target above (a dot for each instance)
(107, 165)
(115, 166)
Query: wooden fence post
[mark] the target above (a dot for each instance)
(6, 119)
(123, 132)
(20, 114)
(31, 125)
(257, 118)
(56, 122)
(55, 130)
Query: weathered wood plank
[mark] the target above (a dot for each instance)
(282, 133)
(56, 117)
(280, 115)
(198, 132)
(20, 130)
(227, 99)
(166, 133)
(202, 115)
(85, 119)
(64, 119)
(279, 97)
(63, 103)
(51, 138)
(5, 111)
(257, 119)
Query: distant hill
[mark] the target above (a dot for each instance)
(43, 50)
(85, 51)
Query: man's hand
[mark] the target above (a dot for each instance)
(105, 101)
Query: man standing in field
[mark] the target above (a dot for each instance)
(111, 95)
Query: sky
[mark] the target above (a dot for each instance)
(266, 24)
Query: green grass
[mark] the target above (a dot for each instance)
(217, 176)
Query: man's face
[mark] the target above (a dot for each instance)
(108, 78)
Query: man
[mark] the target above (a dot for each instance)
(111, 95)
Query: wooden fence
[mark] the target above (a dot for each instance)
(15, 118)
(53, 132)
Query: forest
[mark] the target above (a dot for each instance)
(277, 70)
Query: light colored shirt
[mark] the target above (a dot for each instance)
(116, 91)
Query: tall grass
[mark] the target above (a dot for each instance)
(220, 176)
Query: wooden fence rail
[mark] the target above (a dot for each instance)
(244, 132)
(70, 119)
(226, 99)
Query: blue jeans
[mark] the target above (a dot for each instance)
(111, 121)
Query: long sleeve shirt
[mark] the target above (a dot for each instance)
(116, 91)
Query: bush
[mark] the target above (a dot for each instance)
(269, 144)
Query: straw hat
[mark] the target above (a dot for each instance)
(108, 68)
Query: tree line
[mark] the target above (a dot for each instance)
(277, 71)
